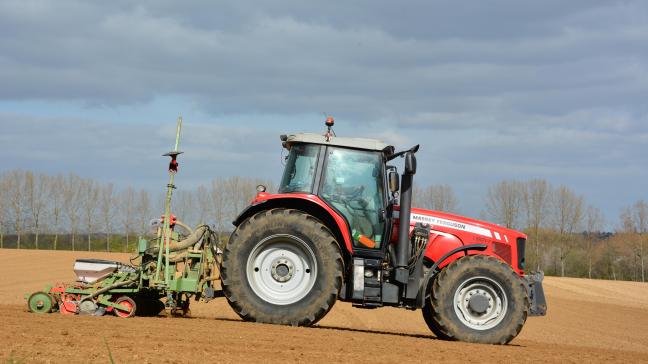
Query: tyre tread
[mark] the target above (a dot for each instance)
(317, 232)
(442, 325)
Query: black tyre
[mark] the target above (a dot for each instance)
(148, 307)
(477, 299)
(428, 313)
(282, 266)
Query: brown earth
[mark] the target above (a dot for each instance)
(588, 321)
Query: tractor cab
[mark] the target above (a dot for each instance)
(350, 176)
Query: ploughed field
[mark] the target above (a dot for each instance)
(588, 321)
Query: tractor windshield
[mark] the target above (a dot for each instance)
(353, 184)
(300, 169)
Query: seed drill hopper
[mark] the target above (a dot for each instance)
(178, 264)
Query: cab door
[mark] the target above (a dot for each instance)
(353, 184)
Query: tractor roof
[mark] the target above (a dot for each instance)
(355, 143)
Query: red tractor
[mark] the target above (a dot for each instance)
(342, 227)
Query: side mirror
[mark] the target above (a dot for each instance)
(394, 182)
(410, 163)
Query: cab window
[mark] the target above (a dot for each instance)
(353, 184)
(299, 172)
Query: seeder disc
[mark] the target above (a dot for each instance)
(40, 302)
(129, 304)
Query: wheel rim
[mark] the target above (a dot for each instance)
(40, 302)
(480, 303)
(128, 303)
(281, 269)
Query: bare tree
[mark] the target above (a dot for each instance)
(72, 203)
(611, 260)
(17, 203)
(90, 194)
(239, 191)
(183, 207)
(107, 211)
(567, 214)
(504, 202)
(143, 212)
(228, 197)
(4, 206)
(437, 197)
(594, 224)
(127, 211)
(641, 213)
(203, 202)
(535, 201)
(634, 220)
(55, 188)
(36, 189)
(218, 204)
(629, 228)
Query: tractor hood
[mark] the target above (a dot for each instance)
(449, 231)
(463, 226)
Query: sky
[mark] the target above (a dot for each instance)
(492, 90)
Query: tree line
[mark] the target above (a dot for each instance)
(69, 212)
(566, 235)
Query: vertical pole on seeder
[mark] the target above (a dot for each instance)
(166, 230)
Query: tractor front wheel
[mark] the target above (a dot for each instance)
(282, 266)
(477, 299)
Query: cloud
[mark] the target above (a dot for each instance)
(131, 154)
(492, 90)
(364, 63)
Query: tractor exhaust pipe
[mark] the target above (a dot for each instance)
(403, 248)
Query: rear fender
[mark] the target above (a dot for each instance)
(309, 204)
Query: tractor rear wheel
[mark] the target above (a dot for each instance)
(477, 299)
(282, 266)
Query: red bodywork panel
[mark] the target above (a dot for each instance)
(447, 231)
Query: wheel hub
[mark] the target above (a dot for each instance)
(282, 270)
(480, 303)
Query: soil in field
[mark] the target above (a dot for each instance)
(588, 321)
